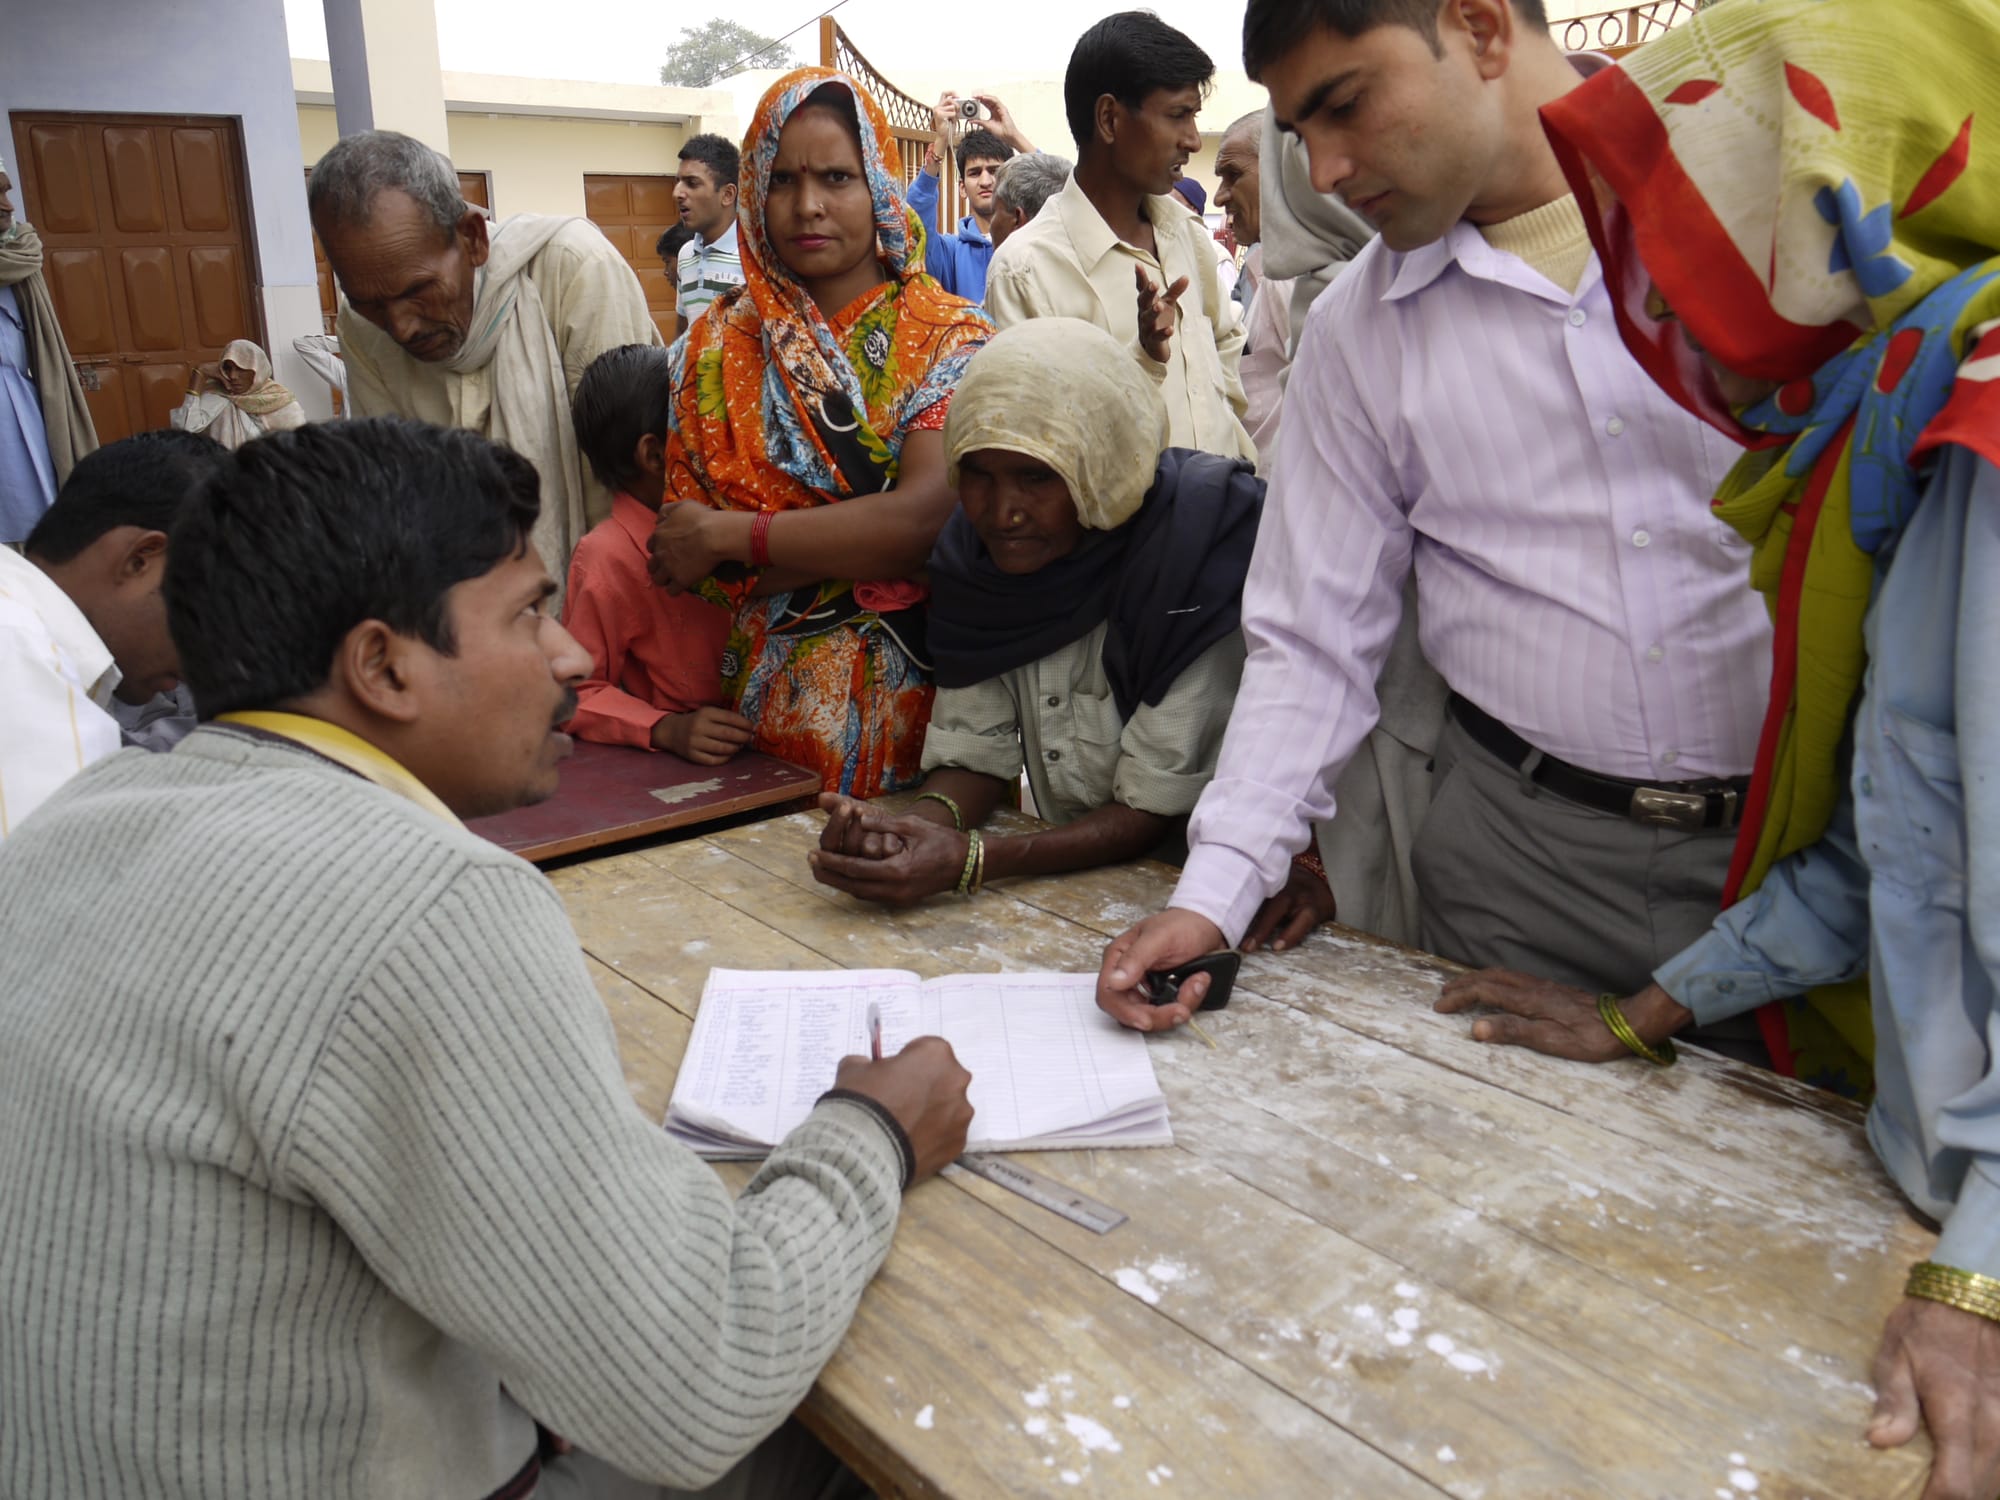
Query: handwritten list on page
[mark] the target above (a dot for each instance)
(1050, 1070)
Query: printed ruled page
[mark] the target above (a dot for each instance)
(767, 1043)
(1047, 1063)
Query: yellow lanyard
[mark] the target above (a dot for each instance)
(347, 749)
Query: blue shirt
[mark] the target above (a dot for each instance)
(958, 260)
(1905, 884)
(27, 475)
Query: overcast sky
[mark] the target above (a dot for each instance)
(622, 41)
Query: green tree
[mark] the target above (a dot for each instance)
(710, 52)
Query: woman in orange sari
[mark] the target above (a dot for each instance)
(805, 441)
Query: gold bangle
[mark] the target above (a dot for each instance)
(972, 842)
(1967, 1291)
(1661, 1056)
(979, 875)
(957, 816)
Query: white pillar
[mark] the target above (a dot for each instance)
(385, 68)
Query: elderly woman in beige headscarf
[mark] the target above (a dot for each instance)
(1084, 626)
(236, 399)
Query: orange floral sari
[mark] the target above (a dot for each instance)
(780, 407)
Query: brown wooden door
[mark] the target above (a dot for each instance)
(474, 187)
(145, 226)
(634, 212)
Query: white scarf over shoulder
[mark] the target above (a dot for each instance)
(512, 386)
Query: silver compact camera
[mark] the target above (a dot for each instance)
(968, 109)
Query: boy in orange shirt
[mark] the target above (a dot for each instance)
(658, 677)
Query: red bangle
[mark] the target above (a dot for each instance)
(760, 539)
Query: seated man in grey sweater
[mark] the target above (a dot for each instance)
(318, 1175)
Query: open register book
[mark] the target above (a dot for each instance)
(1050, 1071)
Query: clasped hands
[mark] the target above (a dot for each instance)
(896, 859)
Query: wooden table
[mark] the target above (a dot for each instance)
(613, 794)
(1382, 1260)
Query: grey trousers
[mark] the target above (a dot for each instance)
(790, 1464)
(1512, 876)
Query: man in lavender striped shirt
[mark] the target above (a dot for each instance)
(1462, 403)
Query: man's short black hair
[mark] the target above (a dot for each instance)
(981, 145)
(141, 481)
(305, 534)
(669, 244)
(718, 154)
(1128, 56)
(1272, 28)
(624, 394)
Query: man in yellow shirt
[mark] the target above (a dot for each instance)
(1132, 94)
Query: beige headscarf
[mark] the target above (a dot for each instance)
(1308, 236)
(265, 394)
(1068, 393)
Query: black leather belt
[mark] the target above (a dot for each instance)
(1689, 806)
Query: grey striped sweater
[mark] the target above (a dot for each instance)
(313, 1135)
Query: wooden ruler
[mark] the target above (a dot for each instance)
(1038, 1187)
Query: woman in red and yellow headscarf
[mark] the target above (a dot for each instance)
(806, 437)
(1797, 208)
(1799, 245)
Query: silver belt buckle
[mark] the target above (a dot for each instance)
(1687, 811)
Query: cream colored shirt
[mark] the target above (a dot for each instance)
(1066, 263)
(56, 678)
(1057, 717)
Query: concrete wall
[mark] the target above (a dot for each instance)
(536, 164)
(195, 57)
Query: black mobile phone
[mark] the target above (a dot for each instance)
(1162, 985)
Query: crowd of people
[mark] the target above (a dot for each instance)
(1551, 536)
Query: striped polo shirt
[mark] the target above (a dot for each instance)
(704, 271)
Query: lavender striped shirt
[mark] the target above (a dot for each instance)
(1454, 405)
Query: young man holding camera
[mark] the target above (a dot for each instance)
(959, 259)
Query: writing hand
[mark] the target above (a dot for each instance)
(1157, 315)
(1286, 918)
(1939, 1368)
(923, 1086)
(1162, 941)
(1558, 1019)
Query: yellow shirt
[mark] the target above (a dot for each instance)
(1066, 263)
